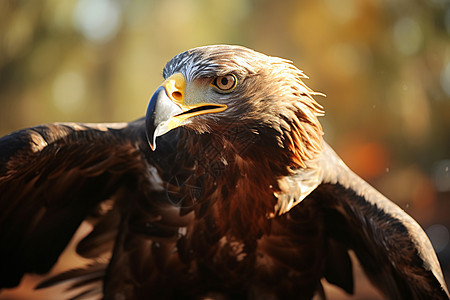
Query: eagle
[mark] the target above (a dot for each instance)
(226, 189)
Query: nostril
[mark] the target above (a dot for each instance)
(177, 95)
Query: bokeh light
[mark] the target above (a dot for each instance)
(407, 35)
(99, 20)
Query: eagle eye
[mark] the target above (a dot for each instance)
(225, 83)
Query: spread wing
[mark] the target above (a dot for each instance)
(392, 248)
(54, 176)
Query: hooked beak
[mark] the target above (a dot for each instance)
(168, 110)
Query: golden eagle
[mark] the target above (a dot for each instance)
(226, 189)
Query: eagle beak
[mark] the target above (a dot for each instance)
(168, 108)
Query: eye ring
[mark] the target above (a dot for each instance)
(225, 83)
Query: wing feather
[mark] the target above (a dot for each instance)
(392, 248)
(54, 176)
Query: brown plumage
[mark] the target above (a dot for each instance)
(242, 198)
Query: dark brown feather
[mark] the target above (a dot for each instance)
(46, 191)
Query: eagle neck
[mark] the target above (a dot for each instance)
(238, 178)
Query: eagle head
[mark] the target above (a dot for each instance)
(213, 89)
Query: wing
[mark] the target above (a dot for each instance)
(392, 248)
(54, 176)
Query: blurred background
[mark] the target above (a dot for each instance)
(384, 66)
